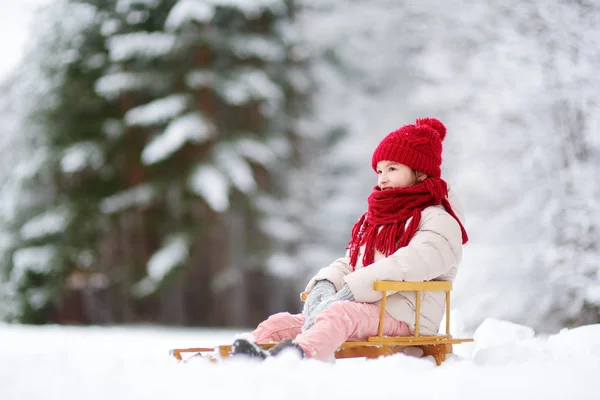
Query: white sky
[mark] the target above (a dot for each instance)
(15, 17)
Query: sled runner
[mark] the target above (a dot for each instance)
(438, 346)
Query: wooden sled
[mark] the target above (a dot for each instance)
(437, 346)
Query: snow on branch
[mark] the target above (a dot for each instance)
(138, 195)
(47, 223)
(51, 26)
(283, 266)
(191, 127)
(174, 253)
(81, 155)
(240, 87)
(36, 259)
(111, 86)
(200, 78)
(236, 168)
(146, 45)
(110, 27)
(255, 151)
(249, 84)
(29, 167)
(186, 11)
(38, 298)
(258, 46)
(112, 128)
(10, 307)
(210, 184)
(189, 11)
(157, 111)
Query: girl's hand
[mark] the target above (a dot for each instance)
(344, 294)
(321, 290)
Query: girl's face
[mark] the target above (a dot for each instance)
(391, 175)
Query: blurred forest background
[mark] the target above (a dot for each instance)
(194, 162)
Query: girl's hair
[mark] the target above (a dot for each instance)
(419, 174)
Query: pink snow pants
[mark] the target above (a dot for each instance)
(342, 321)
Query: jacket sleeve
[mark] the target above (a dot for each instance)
(433, 251)
(334, 273)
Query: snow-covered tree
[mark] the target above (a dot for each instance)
(568, 34)
(515, 84)
(169, 129)
(35, 217)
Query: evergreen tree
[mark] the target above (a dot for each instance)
(39, 252)
(170, 124)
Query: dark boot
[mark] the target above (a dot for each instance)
(284, 345)
(243, 347)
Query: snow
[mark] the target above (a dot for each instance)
(226, 279)
(592, 293)
(213, 183)
(138, 195)
(259, 47)
(113, 84)
(210, 184)
(81, 155)
(109, 27)
(140, 45)
(37, 259)
(48, 223)
(63, 363)
(14, 22)
(235, 167)
(497, 345)
(200, 78)
(186, 11)
(10, 307)
(249, 84)
(493, 332)
(281, 265)
(112, 128)
(285, 230)
(172, 254)
(30, 166)
(156, 112)
(192, 127)
(256, 151)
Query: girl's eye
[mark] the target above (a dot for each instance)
(392, 168)
(378, 172)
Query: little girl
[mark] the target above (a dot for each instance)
(410, 232)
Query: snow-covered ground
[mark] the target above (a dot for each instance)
(506, 362)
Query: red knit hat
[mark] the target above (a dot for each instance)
(418, 146)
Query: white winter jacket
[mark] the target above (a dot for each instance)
(433, 253)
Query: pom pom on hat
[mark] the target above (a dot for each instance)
(418, 146)
(435, 124)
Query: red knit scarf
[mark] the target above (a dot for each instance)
(383, 226)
